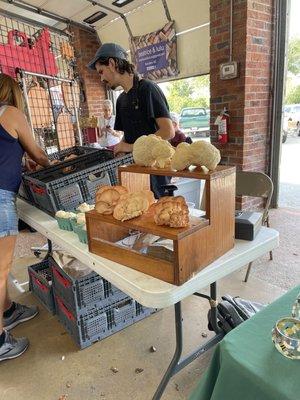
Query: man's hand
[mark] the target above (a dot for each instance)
(123, 147)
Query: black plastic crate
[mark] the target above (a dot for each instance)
(40, 283)
(78, 150)
(24, 193)
(87, 291)
(51, 192)
(57, 171)
(97, 323)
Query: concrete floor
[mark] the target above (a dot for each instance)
(54, 369)
(289, 188)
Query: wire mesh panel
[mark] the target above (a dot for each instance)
(34, 49)
(53, 114)
(52, 103)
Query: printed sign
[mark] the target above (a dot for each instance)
(155, 54)
(151, 58)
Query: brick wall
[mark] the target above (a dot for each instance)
(247, 97)
(85, 45)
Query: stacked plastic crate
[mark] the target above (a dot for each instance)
(40, 283)
(89, 307)
(66, 185)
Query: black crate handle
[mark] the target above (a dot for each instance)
(37, 189)
(124, 305)
(63, 281)
(40, 284)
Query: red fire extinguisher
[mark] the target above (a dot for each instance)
(222, 122)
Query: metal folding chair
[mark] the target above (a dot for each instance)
(255, 184)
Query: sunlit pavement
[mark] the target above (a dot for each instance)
(289, 188)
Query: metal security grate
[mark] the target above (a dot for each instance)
(46, 60)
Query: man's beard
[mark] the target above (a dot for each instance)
(112, 87)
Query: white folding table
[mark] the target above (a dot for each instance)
(152, 292)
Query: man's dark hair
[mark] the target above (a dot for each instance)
(122, 66)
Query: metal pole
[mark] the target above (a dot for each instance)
(76, 114)
(230, 30)
(26, 100)
(167, 12)
(53, 116)
(279, 67)
(179, 342)
(47, 76)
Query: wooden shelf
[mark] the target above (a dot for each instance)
(192, 172)
(145, 223)
(194, 247)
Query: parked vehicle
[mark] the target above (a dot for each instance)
(285, 130)
(292, 113)
(194, 121)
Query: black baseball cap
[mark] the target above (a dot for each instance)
(108, 50)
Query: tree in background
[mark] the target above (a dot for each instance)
(190, 92)
(293, 70)
(293, 96)
(293, 64)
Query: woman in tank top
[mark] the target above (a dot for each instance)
(15, 139)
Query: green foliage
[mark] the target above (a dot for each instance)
(191, 92)
(293, 64)
(293, 96)
(201, 82)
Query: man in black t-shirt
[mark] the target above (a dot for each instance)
(141, 109)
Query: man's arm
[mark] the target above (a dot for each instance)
(156, 106)
(166, 130)
(123, 147)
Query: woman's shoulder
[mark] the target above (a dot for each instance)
(11, 110)
(13, 117)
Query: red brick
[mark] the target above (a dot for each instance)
(248, 97)
(86, 45)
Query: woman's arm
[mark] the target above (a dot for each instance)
(100, 133)
(26, 139)
(118, 134)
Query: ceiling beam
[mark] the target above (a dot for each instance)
(31, 22)
(28, 7)
(94, 3)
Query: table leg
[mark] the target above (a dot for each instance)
(176, 365)
(49, 251)
(171, 369)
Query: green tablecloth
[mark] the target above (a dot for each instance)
(245, 364)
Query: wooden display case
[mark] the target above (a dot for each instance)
(194, 247)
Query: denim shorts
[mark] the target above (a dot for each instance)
(8, 214)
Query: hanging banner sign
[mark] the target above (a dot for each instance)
(155, 54)
(151, 58)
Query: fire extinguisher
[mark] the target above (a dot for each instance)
(222, 122)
